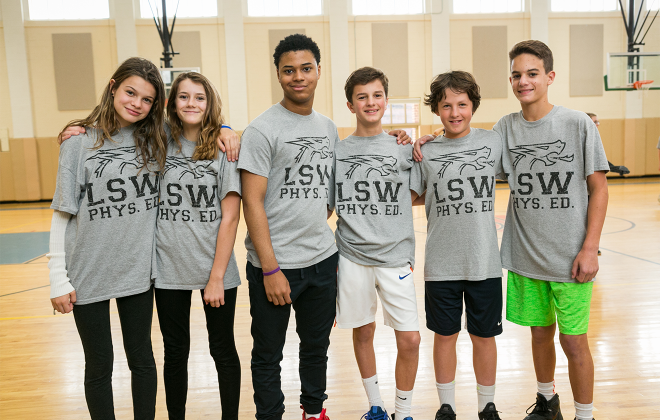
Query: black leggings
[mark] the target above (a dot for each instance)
(174, 317)
(93, 323)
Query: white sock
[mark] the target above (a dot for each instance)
(447, 394)
(373, 392)
(309, 416)
(402, 404)
(583, 411)
(546, 389)
(485, 395)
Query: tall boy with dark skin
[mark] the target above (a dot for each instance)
(569, 288)
(287, 182)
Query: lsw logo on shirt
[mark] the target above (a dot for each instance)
(477, 159)
(197, 168)
(548, 153)
(383, 165)
(124, 155)
(317, 145)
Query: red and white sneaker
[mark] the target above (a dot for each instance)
(321, 416)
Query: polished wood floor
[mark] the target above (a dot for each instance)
(41, 359)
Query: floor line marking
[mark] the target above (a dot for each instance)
(631, 256)
(34, 259)
(27, 208)
(27, 224)
(26, 290)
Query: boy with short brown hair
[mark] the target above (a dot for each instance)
(555, 164)
(376, 241)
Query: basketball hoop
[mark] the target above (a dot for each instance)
(642, 85)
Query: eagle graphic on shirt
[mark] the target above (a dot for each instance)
(315, 145)
(383, 165)
(547, 153)
(477, 159)
(197, 168)
(124, 156)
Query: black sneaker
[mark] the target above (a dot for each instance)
(445, 413)
(544, 409)
(489, 413)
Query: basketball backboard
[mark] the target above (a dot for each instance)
(626, 68)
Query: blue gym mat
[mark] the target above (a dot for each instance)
(17, 248)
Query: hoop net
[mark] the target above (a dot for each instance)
(642, 84)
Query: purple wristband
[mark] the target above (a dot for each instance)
(270, 273)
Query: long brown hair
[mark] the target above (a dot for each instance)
(150, 137)
(207, 145)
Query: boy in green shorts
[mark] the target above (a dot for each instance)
(555, 165)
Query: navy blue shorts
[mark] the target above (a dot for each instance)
(483, 306)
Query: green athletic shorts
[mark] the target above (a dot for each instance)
(539, 303)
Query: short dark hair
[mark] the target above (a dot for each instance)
(362, 76)
(296, 42)
(536, 48)
(459, 82)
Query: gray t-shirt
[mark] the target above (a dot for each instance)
(189, 218)
(458, 176)
(372, 201)
(295, 153)
(114, 203)
(547, 163)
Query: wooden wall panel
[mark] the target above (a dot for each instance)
(6, 178)
(25, 165)
(48, 153)
(389, 43)
(652, 134)
(612, 134)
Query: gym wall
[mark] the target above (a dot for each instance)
(628, 142)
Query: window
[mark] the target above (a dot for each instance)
(68, 9)
(652, 4)
(584, 5)
(488, 6)
(388, 7)
(404, 114)
(259, 8)
(182, 8)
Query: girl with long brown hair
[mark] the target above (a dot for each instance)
(195, 235)
(103, 231)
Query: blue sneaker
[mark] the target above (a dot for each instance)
(375, 413)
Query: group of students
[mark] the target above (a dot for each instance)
(165, 199)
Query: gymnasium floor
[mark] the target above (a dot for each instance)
(41, 359)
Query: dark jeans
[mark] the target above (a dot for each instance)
(313, 293)
(174, 318)
(93, 323)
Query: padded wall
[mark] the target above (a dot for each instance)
(73, 62)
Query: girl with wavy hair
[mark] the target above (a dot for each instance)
(195, 235)
(103, 229)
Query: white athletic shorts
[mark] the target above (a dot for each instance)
(356, 295)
